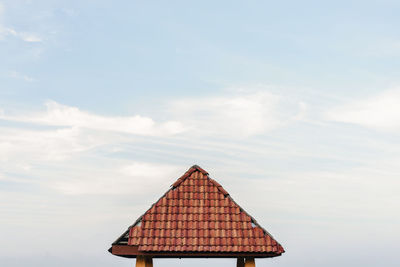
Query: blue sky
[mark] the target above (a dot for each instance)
(292, 106)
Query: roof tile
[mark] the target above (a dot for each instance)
(197, 214)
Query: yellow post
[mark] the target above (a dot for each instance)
(250, 262)
(140, 261)
(240, 262)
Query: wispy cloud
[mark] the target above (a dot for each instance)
(135, 177)
(61, 115)
(24, 36)
(66, 133)
(237, 113)
(370, 191)
(381, 111)
(5, 31)
(62, 133)
(21, 145)
(30, 37)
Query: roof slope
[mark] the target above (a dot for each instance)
(198, 215)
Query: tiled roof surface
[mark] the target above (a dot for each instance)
(198, 215)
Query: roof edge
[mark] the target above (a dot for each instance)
(133, 251)
(253, 220)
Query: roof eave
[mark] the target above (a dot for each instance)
(133, 252)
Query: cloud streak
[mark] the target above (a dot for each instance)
(66, 116)
(236, 115)
(380, 112)
(29, 37)
(24, 36)
(136, 177)
(25, 145)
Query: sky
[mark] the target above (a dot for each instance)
(292, 106)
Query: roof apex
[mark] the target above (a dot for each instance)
(188, 173)
(197, 167)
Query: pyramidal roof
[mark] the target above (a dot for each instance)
(196, 217)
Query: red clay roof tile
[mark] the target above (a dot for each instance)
(198, 215)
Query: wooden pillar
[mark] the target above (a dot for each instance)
(240, 262)
(250, 262)
(149, 261)
(144, 261)
(140, 261)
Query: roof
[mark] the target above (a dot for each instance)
(197, 216)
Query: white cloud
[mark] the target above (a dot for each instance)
(29, 37)
(242, 114)
(137, 178)
(23, 145)
(24, 36)
(380, 112)
(66, 133)
(67, 116)
(235, 115)
(357, 193)
(62, 160)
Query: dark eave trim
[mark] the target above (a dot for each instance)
(132, 252)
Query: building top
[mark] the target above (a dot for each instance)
(196, 218)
